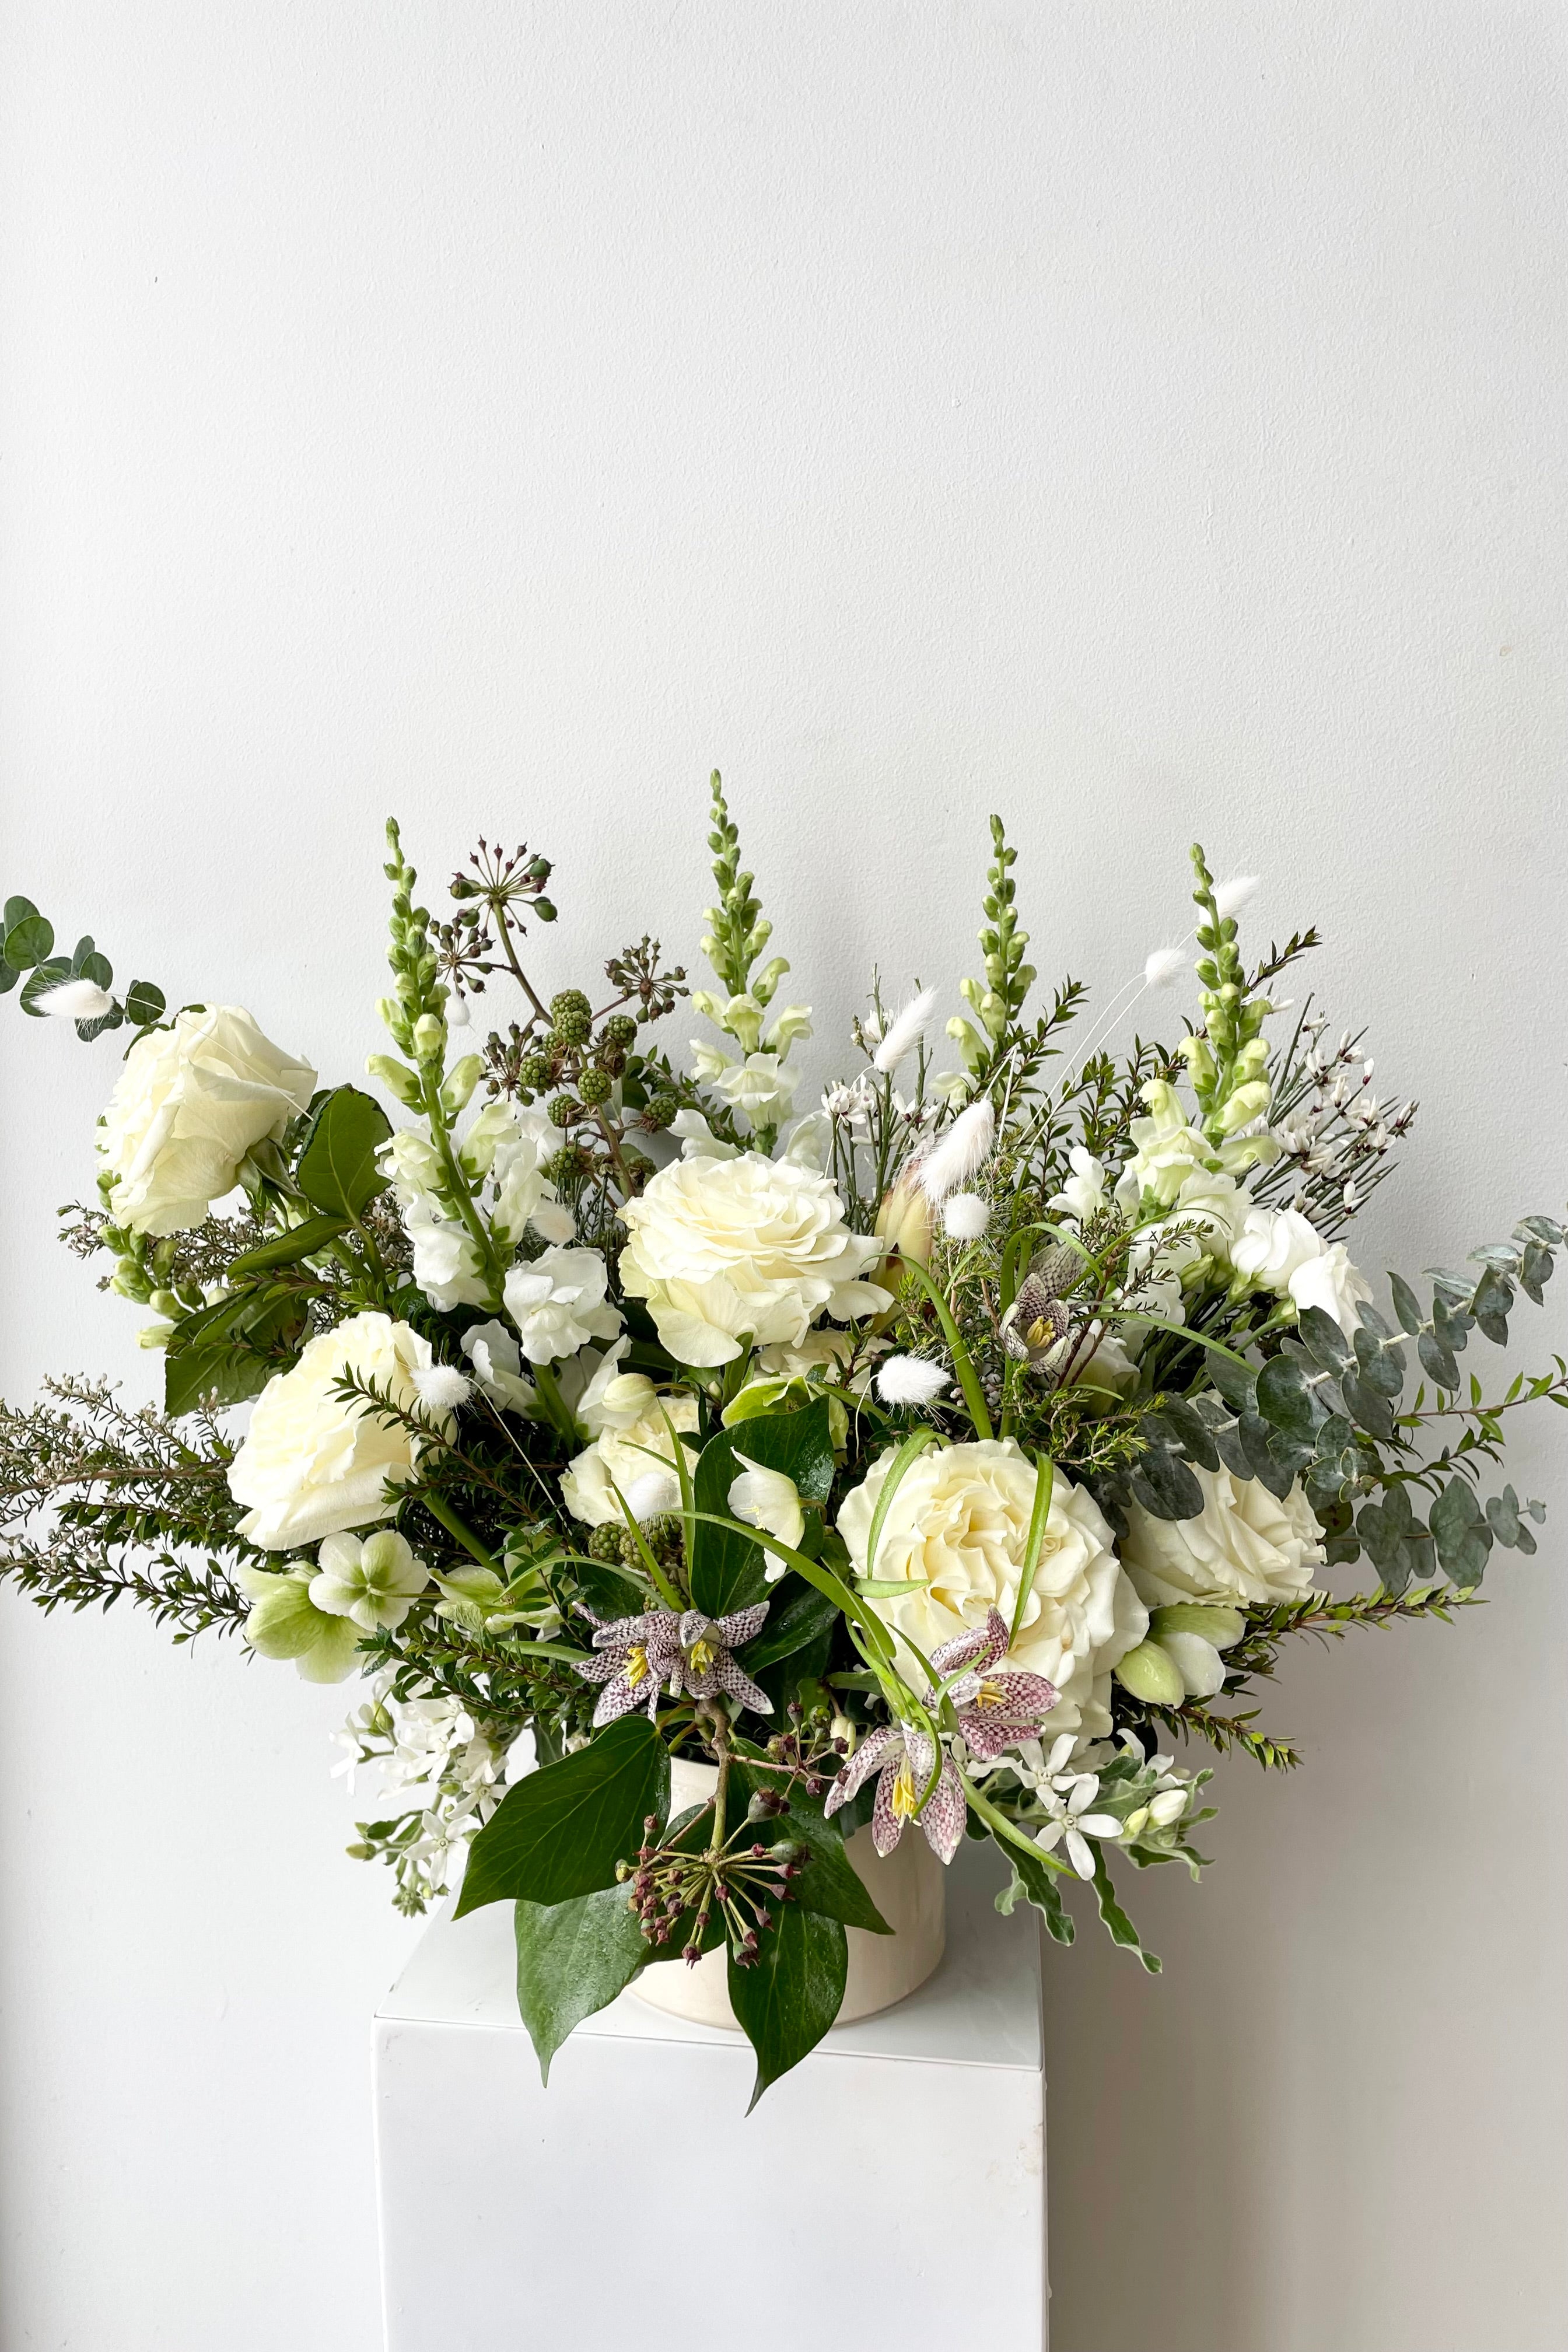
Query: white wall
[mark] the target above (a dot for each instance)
(1146, 420)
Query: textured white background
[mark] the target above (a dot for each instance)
(1144, 420)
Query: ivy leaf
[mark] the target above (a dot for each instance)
(337, 1171)
(572, 1959)
(728, 1570)
(829, 1882)
(785, 2001)
(230, 1351)
(1034, 1884)
(561, 1832)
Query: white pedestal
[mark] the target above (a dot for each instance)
(892, 2187)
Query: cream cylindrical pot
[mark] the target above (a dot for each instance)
(908, 1888)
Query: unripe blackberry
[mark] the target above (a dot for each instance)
(659, 1111)
(595, 1085)
(619, 1031)
(533, 1072)
(605, 1542)
(571, 1016)
(563, 1111)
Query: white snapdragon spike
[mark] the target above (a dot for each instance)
(961, 1152)
(1232, 896)
(697, 1139)
(762, 1087)
(558, 1303)
(76, 1000)
(911, 1380)
(442, 1387)
(965, 1216)
(904, 1032)
(498, 1366)
(447, 1265)
(767, 1499)
(374, 1581)
(1161, 968)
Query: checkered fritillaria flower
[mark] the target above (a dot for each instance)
(640, 1657)
(994, 1710)
(903, 1756)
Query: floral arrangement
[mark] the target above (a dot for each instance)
(941, 1459)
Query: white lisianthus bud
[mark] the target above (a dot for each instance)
(768, 1499)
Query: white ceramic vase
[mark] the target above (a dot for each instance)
(908, 1888)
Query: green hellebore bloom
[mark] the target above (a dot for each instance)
(285, 1623)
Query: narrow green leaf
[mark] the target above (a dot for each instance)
(302, 1240)
(729, 1566)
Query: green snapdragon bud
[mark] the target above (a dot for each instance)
(398, 1079)
(459, 1082)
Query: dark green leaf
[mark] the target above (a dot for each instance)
(1535, 1269)
(143, 1003)
(1369, 1410)
(18, 909)
(1235, 1383)
(230, 1351)
(1461, 1534)
(798, 1615)
(1186, 1427)
(728, 1569)
(44, 977)
(337, 1171)
(287, 1249)
(30, 942)
(829, 1882)
(572, 1959)
(561, 1832)
(785, 2001)
(1437, 1360)
(1490, 1305)
(9, 976)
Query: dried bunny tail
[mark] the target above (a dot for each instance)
(905, 1031)
(961, 1152)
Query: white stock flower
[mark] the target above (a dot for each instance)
(375, 1580)
(312, 1463)
(498, 1366)
(956, 1532)
(558, 1303)
(767, 1499)
(725, 1248)
(1246, 1546)
(620, 1457)
(189, 1103)
(1281, 1250)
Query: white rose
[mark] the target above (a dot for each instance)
(723, 1248)
(1246, 1545)
(958, 1525)
(189, 1103)
(312, 1465)
(624, 1457)
(557, 1302)
(1281, 1250)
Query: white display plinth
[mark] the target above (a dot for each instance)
(893, 2188)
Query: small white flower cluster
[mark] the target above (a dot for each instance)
(432, 1751)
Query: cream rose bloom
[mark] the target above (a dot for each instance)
(720, 1248)
(1282, 1251)
(1246, 1545)
(312, 1465)
(959, 1524)
(627, 1456)
(189, 1103)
